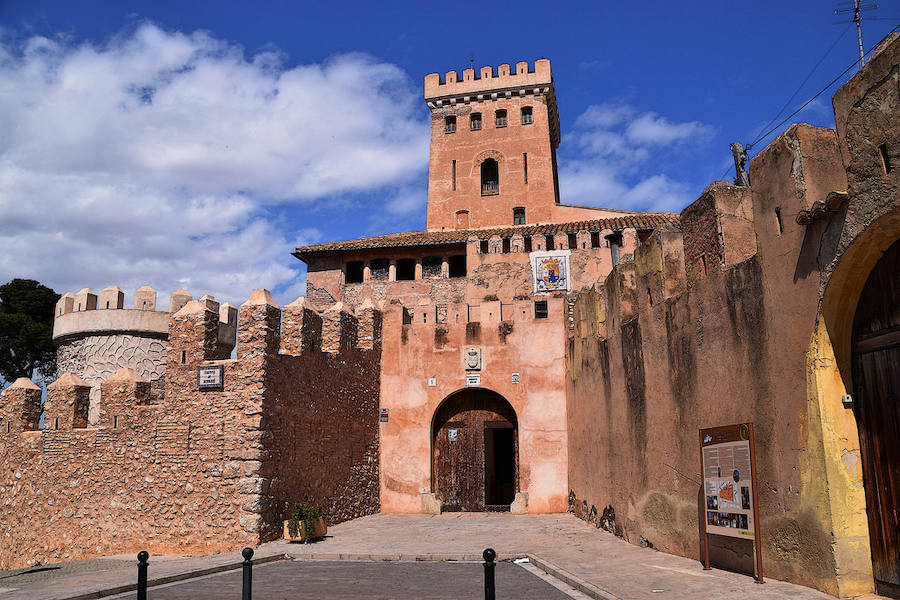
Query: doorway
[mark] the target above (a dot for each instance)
(875, 359)
(475, 452)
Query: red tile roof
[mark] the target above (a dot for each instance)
(461, 236)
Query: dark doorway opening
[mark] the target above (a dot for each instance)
(499, 462)
(474, 452)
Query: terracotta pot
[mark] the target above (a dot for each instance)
(319, 530)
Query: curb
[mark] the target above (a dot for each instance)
(576, 582)
(155, 581)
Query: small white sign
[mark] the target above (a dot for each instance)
(515, 378)
(451, 435)
(210, 377)
(473, 379)
(432, 381)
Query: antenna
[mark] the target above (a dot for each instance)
(472, 61)
(856, 7)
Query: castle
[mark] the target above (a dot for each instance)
(520, 354)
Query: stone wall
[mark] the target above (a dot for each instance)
(195, 471)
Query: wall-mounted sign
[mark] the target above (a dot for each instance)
(452, 435)
(383, 415)
(210, 377)
(550, 270)
(432, 381)
(728, 464)
(515, 378)
(472, 359)
(473, 379)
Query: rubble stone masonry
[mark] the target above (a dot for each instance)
(194, 470)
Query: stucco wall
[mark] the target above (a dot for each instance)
(534, 348)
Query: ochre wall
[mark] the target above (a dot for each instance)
(659, 354)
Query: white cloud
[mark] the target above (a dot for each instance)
(608, 158)
(162, 158)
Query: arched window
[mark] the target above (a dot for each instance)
(500, 118)
(490, 177)
(475, 121)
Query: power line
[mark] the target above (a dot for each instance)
(800, 87)
(862, 57)
(822, 91)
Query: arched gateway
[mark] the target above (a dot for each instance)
(474, 451)
(876, 392)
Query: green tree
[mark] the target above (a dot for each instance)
(26, 330)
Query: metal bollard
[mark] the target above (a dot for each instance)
(489, 556)
(247, 553)
(143, 557)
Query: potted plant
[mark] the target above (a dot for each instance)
(305, 522)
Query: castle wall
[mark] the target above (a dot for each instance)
(512, 341)
(724, 324)
(195, 470)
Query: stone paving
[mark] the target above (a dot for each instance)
(594, 561)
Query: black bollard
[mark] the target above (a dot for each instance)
(489, 556)
(143, 556)
(247, 553)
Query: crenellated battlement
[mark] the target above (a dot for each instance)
(505, 81)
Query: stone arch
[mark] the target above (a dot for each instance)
(834, 441)
(474, 451)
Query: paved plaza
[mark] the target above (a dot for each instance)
(406, 556)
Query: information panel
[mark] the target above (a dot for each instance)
(728, 465)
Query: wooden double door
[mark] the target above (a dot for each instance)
(475, 452)
(876, 401)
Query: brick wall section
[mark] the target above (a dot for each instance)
(196, 471)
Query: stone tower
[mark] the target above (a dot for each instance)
(493, 147)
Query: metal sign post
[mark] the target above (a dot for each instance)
(728, 465)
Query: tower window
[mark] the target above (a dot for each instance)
(475, 122)
(526, 243)
(778, 222)
(450, 125)
(353, 272)
(457, 265)
(500, 118)
(595, 239)
(490, 177)
(519, 216)
(549, 242)
(454, 175)
(573, 241)
(525, 165)
(527, 118)
(485, 247)
(406, 269)
(540, 309)
(615, 240)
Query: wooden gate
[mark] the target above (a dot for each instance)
(474, 452)
(876, 401)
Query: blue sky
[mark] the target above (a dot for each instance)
(194, 144)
